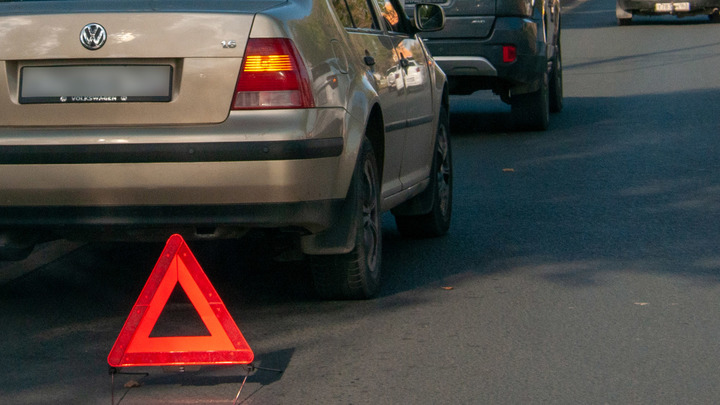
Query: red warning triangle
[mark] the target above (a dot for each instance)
(134, 346)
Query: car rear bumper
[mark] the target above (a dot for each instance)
(466, 66)
(287, 169)
(483, 57)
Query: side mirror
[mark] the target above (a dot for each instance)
(429, 17)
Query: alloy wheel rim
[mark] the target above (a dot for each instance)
(444, 170)
(370, 217)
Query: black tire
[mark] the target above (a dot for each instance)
(531, 111)
(356, 275)
(556, 82)
(437, 221)
(624, 21)
(714, 17)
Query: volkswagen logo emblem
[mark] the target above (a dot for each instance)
(93, 36)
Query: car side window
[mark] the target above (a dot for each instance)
(389, 15)
(354, 13)
(343, 13)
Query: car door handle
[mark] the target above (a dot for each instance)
(369, 60)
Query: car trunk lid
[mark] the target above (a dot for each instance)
(190, 58)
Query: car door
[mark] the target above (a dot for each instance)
(419, 135)
(371, 44)
(416, 92)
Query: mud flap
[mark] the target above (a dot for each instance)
(340, 237)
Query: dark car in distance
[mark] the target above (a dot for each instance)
(625, 9)
(511, 47)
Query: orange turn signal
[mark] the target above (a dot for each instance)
(268, 63)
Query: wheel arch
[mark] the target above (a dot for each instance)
(339, 237)
(375, 131)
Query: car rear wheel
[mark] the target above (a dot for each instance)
(437, 221)
(531, 111)
(356, 275)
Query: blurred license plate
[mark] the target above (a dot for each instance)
(95, 83)
(670, 7)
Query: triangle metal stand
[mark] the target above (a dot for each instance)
(112, 371)
(249, 369)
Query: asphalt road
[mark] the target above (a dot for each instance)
(582, 264)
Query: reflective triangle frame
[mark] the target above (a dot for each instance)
(134, 347)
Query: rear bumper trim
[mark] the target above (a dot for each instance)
(466, 66)
(171, 152)
(313, 215)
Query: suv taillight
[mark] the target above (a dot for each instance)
(509, 53)
(272, 76)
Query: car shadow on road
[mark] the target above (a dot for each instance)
(479, 112)
(619, 184)
(484, 113)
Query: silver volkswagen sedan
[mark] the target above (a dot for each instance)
(136, 119)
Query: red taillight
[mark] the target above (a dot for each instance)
(509, 53)
(272, 76)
